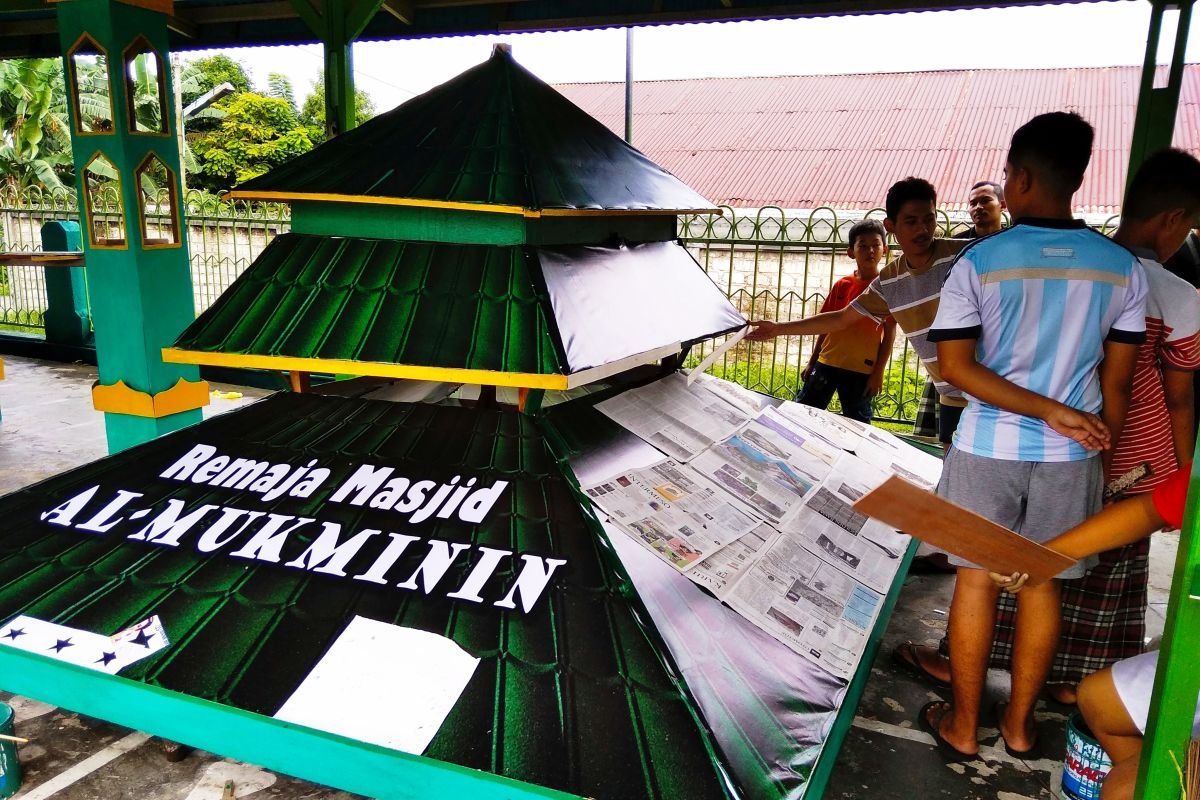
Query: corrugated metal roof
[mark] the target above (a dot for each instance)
(841, 140)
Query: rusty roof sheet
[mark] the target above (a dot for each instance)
(841, 140)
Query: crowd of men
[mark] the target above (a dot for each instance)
(1061, 360)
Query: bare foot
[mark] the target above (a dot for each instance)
(924, 662)
(1019, 741)
(1063, 693)
(937, 719)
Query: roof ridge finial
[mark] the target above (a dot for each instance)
(502, 47)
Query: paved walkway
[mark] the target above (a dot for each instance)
(49, 426)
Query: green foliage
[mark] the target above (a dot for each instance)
(280, 87)
(312, 112)
(35, 140)
(210, 72)
(901, 384)
(257, 134)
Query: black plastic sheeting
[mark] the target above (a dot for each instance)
(610, 303)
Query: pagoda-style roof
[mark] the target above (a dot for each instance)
(495, 138)
(574, 692)
(528, 316)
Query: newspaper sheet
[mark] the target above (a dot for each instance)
(678, 419)
(795, 593)
(678, 514)
(873, 445)
(833, 528)
(721, 570)
(769, 465)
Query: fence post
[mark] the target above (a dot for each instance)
(67, 318)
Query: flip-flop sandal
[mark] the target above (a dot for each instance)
(904, 656)
(1024, 755)
(933, 727)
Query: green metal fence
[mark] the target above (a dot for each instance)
(772, 265)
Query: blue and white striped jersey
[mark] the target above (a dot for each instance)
(1041, 298)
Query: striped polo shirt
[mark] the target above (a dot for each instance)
(910, 296)
(1172, 343)
(1041, 298)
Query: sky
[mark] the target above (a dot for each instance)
(1071, 35)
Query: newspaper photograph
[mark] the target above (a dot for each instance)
(832, 527)
(674, 512)
(850, 479)
(678, 419)
(770, 465)
(720, 571)
(796, 595)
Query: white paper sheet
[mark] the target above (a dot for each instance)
(383, 684)
(83, 648)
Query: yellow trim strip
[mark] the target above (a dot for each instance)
(120, 398)
(411, 202)
(625, 212)
(339, 366)
(380, 201)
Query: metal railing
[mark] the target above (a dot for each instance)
(772, 266)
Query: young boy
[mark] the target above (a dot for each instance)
(851, 361)
(1039, 326)
(907, 289)
(1104, 614)
(1116, 701)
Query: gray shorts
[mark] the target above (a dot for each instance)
(1037, 499)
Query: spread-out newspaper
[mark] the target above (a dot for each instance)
(753, 502)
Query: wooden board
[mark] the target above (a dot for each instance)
(956, 530)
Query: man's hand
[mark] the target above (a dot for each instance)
(763, 329)
(874, 384)
(1010, 583)
(1086, 429)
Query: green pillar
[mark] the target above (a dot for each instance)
(1169, 726)
(1154, 121)
(338, 23)
(67, 318)
(339, 71)
(137, 271)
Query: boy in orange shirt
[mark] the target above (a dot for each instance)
(851, 361)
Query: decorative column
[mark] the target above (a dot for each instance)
(135, 245)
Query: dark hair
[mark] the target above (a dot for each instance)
(995, 187)
(864, 228)
(1167, 179)
(1056, 148)
(908, 189)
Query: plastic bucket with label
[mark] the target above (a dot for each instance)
(10, 768)
(1086, 764)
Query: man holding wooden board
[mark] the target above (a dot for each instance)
(1039, 326)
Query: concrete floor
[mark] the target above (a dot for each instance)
(49, 426)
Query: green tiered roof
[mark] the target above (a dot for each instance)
(495, 138)
(549, 318)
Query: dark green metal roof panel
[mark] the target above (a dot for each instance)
(577, 694)
(531, 310)
(376, 300)
(495, 135)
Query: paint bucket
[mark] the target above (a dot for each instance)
(10, 769)
(1086, 763)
